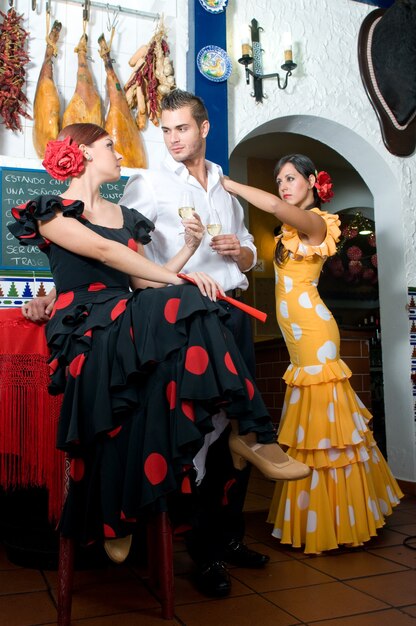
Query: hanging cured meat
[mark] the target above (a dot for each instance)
(119, 123)
(85, 104)
(46, 106)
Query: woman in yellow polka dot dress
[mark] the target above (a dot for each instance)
(324, 424)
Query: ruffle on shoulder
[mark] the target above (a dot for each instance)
(316, 374)
(140, 225)
(42, 208)
(292, 242)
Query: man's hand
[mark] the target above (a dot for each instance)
(39, 309)
(229, 245)
(226, 245)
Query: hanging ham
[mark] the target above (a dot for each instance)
(85, 104)
(46, 105)
(119, 123)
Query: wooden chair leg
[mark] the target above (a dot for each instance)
(166, 565)
(65, 580)
(152, 552)
(160, 564)
(160, 561)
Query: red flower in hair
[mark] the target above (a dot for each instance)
(323, 185)
(63, 159)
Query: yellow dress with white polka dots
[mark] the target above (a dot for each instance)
(324, 423)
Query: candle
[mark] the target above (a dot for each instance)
(246, 47)
(287, 46)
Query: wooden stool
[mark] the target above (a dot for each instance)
(160, 565)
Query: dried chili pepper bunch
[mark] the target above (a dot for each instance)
(13, 58)
(152, 78)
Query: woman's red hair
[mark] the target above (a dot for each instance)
(83, 133)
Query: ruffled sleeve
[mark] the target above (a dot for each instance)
(139, 225)
(42, 208)
(292, 242)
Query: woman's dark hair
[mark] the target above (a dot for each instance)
(83, 133)
(305, 167)
(177, 99)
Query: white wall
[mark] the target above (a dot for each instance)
(16, 149)
(325, 100)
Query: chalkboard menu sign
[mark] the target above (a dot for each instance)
(17, 186)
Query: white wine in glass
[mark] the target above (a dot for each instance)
(214, 226)
(186, 212)
(214, 229)
(186, 206)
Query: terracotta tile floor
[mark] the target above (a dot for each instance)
(371, 586)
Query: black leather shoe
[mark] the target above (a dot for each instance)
(213, 579)
(237, 553)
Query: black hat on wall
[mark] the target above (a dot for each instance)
(387, 60)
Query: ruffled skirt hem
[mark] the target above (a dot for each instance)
(351, 489)
(334, 507)
(316, 374)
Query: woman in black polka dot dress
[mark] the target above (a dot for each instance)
(142, 371)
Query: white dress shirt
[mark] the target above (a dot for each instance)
(157, 194)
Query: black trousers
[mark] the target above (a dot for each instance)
(217, 516)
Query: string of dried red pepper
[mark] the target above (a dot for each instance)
(13, 58)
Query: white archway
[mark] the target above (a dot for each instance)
(400, 430)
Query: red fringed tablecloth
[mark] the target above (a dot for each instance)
(28, 414)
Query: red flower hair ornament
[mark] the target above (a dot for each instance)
(63, 159)
(323, 186)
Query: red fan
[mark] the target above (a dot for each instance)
(244, 307)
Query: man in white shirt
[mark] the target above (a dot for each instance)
(218, 524)
(157, 195)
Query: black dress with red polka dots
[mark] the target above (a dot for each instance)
(141, 372)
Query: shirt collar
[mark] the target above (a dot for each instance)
(174, 166)
(214, 170)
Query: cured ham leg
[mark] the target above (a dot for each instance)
(46, 105)
(120, 124)
(85, 104)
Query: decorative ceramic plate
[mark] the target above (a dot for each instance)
(214, 6)
(214, 63)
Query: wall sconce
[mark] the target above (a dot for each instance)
(365, 228)
(252, 53)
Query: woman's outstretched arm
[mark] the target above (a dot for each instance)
(77, 238)
(305, 222)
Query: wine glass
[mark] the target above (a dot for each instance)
(186, 206)
(214, 226)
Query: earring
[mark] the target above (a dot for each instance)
(88, 157)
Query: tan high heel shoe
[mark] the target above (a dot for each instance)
(118, 549)
(268, 458)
